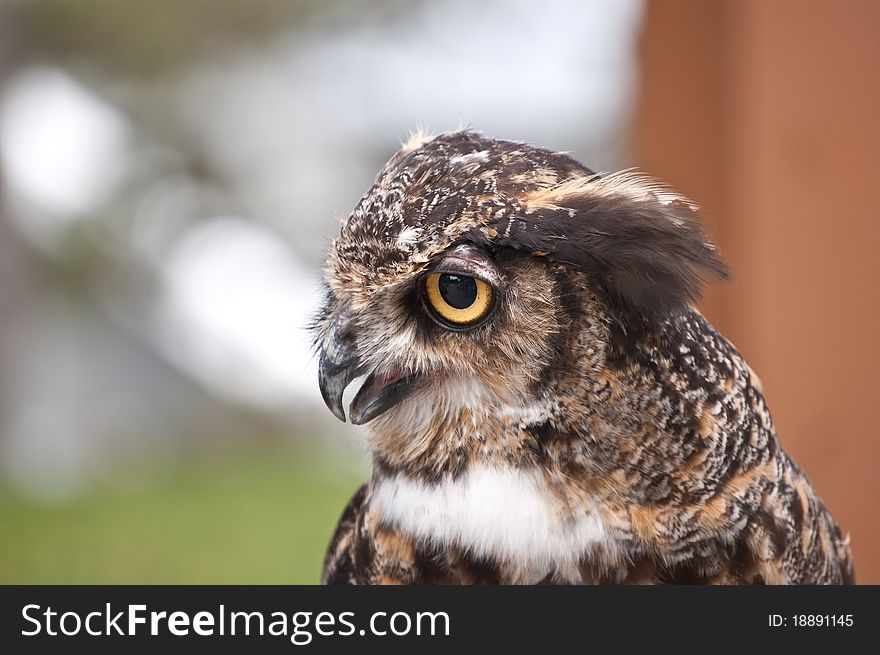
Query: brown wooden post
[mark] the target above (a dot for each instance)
(768, 114)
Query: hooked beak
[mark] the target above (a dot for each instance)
(340, 364)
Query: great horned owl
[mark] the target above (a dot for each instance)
(543, 402)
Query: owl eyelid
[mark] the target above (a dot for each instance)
(460, 271)
(479, 268)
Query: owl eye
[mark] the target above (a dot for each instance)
(458, 300)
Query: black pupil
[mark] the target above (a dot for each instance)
(458, 291)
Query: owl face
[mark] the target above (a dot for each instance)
(472, 325)
(472, 263)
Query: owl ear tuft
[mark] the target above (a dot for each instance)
(641, 242)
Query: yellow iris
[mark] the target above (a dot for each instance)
(458, 299)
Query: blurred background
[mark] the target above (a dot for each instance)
(173, 172)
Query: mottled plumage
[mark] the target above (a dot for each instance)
(592, 427)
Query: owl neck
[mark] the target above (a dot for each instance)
(456, 424)
(664, 402)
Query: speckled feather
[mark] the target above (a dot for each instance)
(637, 435)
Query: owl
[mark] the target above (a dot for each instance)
(542, 401)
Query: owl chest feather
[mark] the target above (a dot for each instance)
(499, 514)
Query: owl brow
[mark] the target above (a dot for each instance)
(644, 247)
(478, 264)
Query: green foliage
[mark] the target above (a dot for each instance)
(150, 37)
(264, 520)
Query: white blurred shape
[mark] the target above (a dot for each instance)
(234, 313)
(63, 150)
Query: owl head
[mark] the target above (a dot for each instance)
(476, 274)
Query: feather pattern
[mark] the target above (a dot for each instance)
(594, 428)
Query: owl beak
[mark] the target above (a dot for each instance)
(379, 393)
(338, 366)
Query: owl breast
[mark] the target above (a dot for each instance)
(502, 515)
